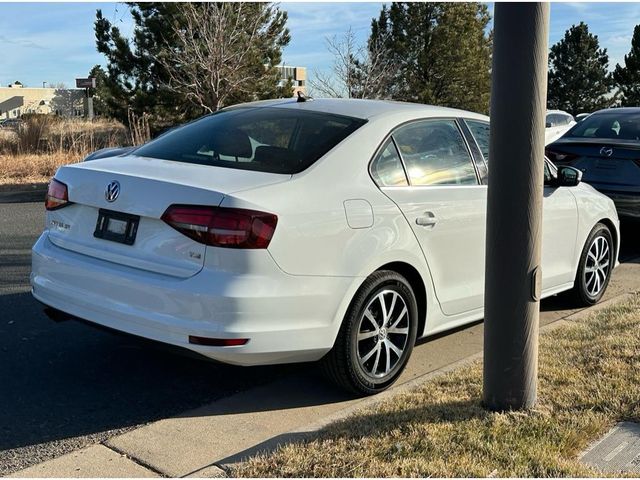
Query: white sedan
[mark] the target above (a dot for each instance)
(558, 122)
(287, 231)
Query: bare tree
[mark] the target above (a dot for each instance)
(224, 50)
(358, 71)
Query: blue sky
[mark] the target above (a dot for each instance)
(54, 42)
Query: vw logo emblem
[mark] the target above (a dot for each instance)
(606, 151)
(112, 191)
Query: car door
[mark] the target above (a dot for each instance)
(445, 205)
(559, 220)
(559, 233)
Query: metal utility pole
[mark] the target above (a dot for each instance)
(514, 205)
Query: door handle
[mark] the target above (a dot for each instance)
(427, 220)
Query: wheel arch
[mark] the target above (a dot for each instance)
(614, 233)
(418, 286)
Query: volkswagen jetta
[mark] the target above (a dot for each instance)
(285, 231)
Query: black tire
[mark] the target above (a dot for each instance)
(345, 365)
(584, 290)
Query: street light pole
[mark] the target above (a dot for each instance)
(514, 205)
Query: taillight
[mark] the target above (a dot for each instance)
(57, 195)
(222, 227)
(560, 157)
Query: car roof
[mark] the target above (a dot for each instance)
(561, 112)
(364, 109)
(630, 110)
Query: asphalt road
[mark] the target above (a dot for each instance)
(67, 385)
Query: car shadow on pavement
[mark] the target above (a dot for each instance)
(63, 380)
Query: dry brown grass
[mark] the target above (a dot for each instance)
(33, 152)
(589, 379)
(32, 168)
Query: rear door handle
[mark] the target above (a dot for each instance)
(427, 220)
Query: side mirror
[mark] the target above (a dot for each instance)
(548, 125)
(568, 177)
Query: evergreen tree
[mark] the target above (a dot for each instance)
(140, 69)
(627, 78)
(441, 51)
(578, 73)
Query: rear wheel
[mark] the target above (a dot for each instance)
(596, 264)
(376, 337)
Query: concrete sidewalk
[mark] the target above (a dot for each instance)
(201, 442)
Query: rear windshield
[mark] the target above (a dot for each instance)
(558, 119)
(610, 125)
(275, 140)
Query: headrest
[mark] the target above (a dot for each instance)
(232, 143)
(275, 156)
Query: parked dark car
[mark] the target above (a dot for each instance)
(581, 116)
(11, 123)
(606, 147)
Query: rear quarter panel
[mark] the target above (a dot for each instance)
(313, 236)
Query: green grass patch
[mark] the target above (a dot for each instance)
(589, 379)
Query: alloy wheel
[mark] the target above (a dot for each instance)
(597, 265)
(382, 336)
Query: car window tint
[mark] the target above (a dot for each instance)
(435, 153)
(386, 168)
(277, 133)
(267, 139)
(480, 131)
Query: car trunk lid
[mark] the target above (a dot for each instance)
(602, 161)
(147, 187)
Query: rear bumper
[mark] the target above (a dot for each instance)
(286, 318)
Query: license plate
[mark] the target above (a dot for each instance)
(116, 226)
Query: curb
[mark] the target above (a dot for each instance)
(22, 193)
(312, 429)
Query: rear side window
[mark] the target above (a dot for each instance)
(480, 131)
(435, 153)
(275, 140)
(386, 168)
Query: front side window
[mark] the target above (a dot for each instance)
(386, 168)
(435, 153)
(547, 174)
(266, 139)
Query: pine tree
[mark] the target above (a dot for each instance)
(142, 70)
(442, 52)
(579, 80)
(627, 78)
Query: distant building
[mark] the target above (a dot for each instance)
(298, 76)
(17, 100)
